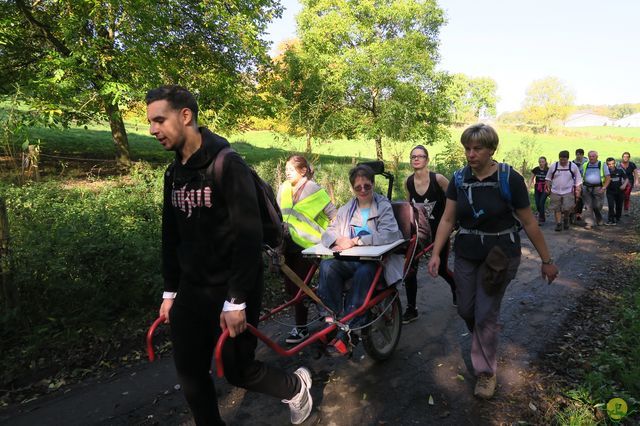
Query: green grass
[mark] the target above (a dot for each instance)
(95, 142)
(615, 368)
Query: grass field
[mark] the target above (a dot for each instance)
(515, 146)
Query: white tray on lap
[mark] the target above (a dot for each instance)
(359, 252)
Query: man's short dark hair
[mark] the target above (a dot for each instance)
(563, 154)
(579, 151)
(361, 170)
(177, 96)
(610, 159)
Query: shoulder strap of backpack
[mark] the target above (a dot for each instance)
(458, 176)
(504, 171)
(553, 173)
(215, 168)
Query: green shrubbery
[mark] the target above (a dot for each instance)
(83, 257)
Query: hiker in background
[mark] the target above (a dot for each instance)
(615, 191)
(633, 174)
(488, 200)
(579, 161)
(424, 186)
(595, 175)
(212, 263)
(564, 183)
(538, 176)
(306, 211)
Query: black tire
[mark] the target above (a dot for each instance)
(382, 336)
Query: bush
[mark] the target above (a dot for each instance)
(82, 256)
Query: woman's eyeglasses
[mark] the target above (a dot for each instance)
(365, 187)
(418, 157)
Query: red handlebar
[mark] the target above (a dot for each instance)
(152, 329)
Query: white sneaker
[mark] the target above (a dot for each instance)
(301, 404)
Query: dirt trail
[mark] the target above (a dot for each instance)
(430, 363)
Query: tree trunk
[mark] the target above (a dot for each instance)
(379, 147)
(308, 142)
(119, 135)
(8, 292)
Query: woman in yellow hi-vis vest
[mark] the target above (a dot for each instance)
(307, 211)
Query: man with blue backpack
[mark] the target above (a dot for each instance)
(595, 175)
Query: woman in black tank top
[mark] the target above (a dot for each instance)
(424, 186)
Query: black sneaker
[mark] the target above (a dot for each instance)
(558, 227)
(610, 223)
(297, 335)
(410, 315)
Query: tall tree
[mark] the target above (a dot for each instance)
(546, 102)
(309, 102)
(383, 53)
(85, 59)
(472, 98)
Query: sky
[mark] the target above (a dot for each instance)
(592, 46)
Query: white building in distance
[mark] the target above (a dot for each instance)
(632, 120)
(587, 119)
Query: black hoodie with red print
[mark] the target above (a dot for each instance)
(211, 236)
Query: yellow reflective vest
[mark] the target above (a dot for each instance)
(306, 220)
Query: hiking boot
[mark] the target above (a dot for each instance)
(297, 335)
(411, 314)
(301, 404)
(485, 386)
(600, 222)
(558, 227)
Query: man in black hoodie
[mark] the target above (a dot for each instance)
(212, 263)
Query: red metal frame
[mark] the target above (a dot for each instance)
(320, 335)
(152, 329)
(298, 297)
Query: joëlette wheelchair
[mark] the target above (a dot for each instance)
(381, 333)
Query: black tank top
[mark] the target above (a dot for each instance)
(434, 193)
